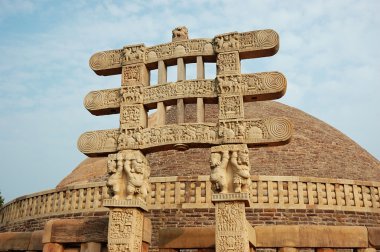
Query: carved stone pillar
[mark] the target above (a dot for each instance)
(129, 186)
(231, 226)
(125, 227)
(231, 180)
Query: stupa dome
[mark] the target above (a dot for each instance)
(316, 150)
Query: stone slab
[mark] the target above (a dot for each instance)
(374, 237)
(187, 238)
(36, 240)
(312, 236)
(76, 230)
(14, 241)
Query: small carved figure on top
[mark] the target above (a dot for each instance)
(180, 33)
(218, 177)
(241, 170)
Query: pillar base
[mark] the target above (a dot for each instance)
(125, 227)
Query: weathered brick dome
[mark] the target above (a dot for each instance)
(316, 150)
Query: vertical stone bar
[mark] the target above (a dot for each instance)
(200, 102)
(180, 111)
(162, 78)
(231, 230)
(125, 226)
(181, 75)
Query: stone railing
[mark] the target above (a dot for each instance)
(195, 192)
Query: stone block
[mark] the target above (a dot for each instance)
(312, 236)
(14, 241)
(374, 237)
(53, 247)
(187, 238)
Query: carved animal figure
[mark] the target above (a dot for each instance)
(180, 33)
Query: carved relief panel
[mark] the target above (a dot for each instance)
(132, 116)
(231, 107)
(133, 54)
(125, 230)
(136, 74)
(228, 63)
(231, 232)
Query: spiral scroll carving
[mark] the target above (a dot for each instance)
(88, 142)
(266, 39)
(98, 61)
(93, 100)
(274, 81)
(279, 128)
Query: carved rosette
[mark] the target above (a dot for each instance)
(125, 230)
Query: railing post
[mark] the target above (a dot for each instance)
(181, 76)
(200, 103)
(162, 78)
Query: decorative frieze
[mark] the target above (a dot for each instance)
(246, 131)
(259, 86)
(251, 44)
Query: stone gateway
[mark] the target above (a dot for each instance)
(218, 166)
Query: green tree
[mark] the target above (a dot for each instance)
(1, 200)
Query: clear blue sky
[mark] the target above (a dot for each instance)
(329, 54)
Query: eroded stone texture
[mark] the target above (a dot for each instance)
(129, 173)
(125, 230)
(231, 232)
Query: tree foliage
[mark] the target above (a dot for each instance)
(1, 200)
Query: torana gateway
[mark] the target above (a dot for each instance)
(218, 167)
